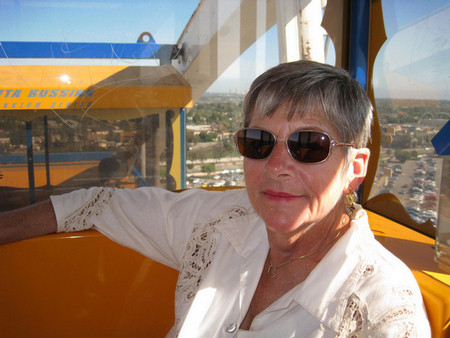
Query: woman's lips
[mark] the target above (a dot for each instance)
(279, 195)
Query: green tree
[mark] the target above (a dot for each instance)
(190, 137)
(208, 168)
(205, 136)
(402, 156)
(202, 136)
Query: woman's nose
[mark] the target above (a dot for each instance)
(280, 163)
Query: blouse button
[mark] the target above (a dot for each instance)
(231, 328)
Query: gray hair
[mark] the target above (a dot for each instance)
(310, 87)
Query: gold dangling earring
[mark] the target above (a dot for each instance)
(350, 200)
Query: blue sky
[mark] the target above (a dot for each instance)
(414, 61)
(120, 21)
(400, 67)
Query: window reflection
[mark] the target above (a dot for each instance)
(412, 94)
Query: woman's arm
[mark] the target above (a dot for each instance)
(31, 221)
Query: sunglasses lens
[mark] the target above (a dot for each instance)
(309, 146)
(254, 143)
(304, 146)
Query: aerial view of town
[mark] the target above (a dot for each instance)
(408, 166)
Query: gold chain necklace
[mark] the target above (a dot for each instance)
(272, 270)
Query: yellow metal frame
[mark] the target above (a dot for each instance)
(386, 204)
(178, 164)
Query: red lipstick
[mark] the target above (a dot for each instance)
(278, 195)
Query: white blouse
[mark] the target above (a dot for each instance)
(219, 245)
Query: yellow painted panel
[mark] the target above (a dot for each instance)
(17, 175)
(89, 87)
(19, 77)
(96, 97)
(176, 169)
(83, 285)
(444, 278)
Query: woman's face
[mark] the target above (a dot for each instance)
(289, 195)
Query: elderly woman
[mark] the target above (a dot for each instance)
(291, 255)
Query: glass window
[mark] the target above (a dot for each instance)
(78, 109)
(412, 94)
(69, 121)
(211, 156)
(212, 159)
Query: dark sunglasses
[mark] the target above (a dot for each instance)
(306, 146)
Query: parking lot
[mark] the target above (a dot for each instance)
(415, 183)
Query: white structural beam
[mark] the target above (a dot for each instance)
(220, 31)
(300, 35)
(217, 34)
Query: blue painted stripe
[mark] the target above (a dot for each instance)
(26, 49)
(183, 147)
(359, 40)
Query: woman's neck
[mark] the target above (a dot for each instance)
(312, 239)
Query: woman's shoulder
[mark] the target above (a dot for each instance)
(380, 267)
(189, 196)
(207, 204)
(388, 294)
(383, 274)
(222, 197)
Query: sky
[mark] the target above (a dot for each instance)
(413, 62)
(120, 21)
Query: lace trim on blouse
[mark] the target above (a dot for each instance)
(355, 323)
(78, 220)
(198, 256)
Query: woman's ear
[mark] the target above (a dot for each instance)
(358, 167)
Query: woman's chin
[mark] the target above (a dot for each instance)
(285, 225)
